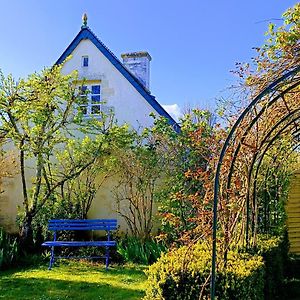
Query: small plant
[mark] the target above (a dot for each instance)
(9, 249)
(140, 251)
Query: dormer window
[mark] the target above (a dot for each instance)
(85, 61)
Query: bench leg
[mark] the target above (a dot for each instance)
(106, 258)
(51, 258)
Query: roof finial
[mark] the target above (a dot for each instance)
(84, 20)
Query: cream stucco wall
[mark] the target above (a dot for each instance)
(104, 205)
(9, 201)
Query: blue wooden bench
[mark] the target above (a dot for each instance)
(70, 225)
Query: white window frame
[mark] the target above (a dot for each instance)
(93, 99)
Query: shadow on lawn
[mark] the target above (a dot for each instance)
(46, 289)
(71, 266)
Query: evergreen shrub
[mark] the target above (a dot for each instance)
(274, 251)
(183, 274)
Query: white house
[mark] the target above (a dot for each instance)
(123, 87)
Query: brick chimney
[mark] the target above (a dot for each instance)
(138, 63)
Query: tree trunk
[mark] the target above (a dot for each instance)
(26, 233)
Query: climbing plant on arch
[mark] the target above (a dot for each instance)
(269, 125)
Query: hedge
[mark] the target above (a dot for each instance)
(274, 251)
(183, 274)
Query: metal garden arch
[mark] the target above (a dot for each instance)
(267, 98)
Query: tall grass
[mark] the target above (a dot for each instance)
(140, 251)
(9, 249)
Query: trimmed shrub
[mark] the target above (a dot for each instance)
(184, 274)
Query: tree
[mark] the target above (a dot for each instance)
(40, 117)
(78, 193)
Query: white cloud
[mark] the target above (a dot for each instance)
(174, 110)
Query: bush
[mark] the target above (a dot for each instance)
(274, 251)
(138, 251)
(184, 274)
(9, 249)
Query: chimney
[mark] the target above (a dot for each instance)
(138, 63)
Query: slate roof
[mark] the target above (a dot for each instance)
(86, 33)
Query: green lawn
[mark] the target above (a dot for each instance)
(74, 280)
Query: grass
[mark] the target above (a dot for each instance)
(74, 280)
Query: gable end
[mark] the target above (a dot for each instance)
(86, 33)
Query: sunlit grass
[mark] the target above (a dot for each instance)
(74, 280)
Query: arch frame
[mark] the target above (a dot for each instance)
(274, 93)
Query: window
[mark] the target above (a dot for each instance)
(93, 105)
(85, 61)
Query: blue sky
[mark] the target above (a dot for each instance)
(194, 44)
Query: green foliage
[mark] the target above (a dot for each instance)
(139, 251)
(186, 155)
(274, 251)
(279, 54)
(184, 274)
(9, 250)
(74, 197)
(273, 185)
(283, 38)
(36, 117)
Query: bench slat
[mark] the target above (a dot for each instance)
(93, 224)
(75, 227)
(84, 221)
(79, 243)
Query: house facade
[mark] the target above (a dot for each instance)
(121, 87)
